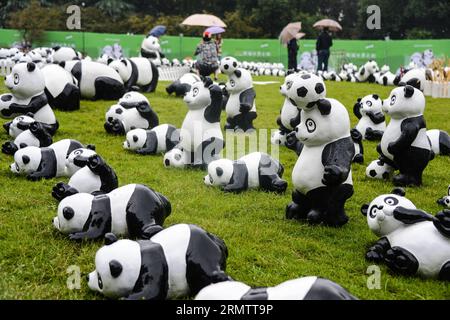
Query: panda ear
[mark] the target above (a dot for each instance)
(62, 64)
(109, 61)
(116, 268)
(414, 83)
(68, 213)
(124, 62)
(26, 159)
(90, 147)
(409, 91)
(110, 238)
(135, 138)
(376, 97)
(359, 100)
(31, 66)
(363, 70)
(238, 73)
(399, 192)
(219, 171)
(364, 209)
(56, 48)
(401, 84)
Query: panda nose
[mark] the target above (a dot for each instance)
(296, 129)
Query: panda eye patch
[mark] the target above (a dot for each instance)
(373, 211)
(369, 103)
(391, 201)
(16, 78)
(195, 92)
(393, 99)
(310, 125)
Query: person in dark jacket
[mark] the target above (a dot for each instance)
(323, 45)
(292, 54)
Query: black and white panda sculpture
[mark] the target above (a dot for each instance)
(255, 170)
(372, 121)
(77, 159)
(134, 211)
(177, 262)
(12, 127)
(415, 77)
(440, 142)
(412, 242)
(44, 163)
(62, 54)
(306, 288)
(138, 73)
(34, 135)
(183, 85)
(160, 139)
(27, 83)
(445, 201)
(367, 71)
(151, 49)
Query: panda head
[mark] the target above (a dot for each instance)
(26, 80)
(175, 158)
(115, 112)
(371, 67)
(82, 154)
(372, 103)
(219, 173)
(228, 65)
(415, 77)
(13, 130)
(123, 68)
(73, 213)
(445, 201)
(136, 139)
(305, 89)
(26, 160)
(379, 170)
(151, 43)
(277, 138)
(198, 97)
(380, 212)
(404, 102)
(288, 82)
(117, 268)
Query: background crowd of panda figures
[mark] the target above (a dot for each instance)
(264, 248)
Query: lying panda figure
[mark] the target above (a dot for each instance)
(160, 139)
(61, 54)
(77, 159)
(180, 261)
(445, 201)
(61, 88)
(12, 127)
(34, 135)
(440, 142)
(367, 71)
(132, 112)
(95, 177)
(134, 211)
(256, 170)
(372, 122)
(137, 72)
(414, 77)
(183, 85)
(44, 163)
(307, 288)
(413, 242)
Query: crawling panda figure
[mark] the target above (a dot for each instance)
(372, 121)
(256, 170)
(44, 163)
(445, 201)
(405, 145)
(201, 139)
(137, 72)
(34, 135)
(386, 78)
(160, 139)
(175, 263)
(306, 288)
(95, 177)
(183, 85)
(27, 83)
(62, 54)
(12, 127)
(380, 170)
(134, 211)
(132, 112)
(240, 107)
(151, 49)
(412, 242)
(61, 88)
(440, 142)
(77, 159)
(96, 80)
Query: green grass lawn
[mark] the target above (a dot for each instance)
(264, 248)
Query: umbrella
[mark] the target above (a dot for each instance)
(290, 32)
(328, 23)
(158, 31)
(204, 20)
(215, 30)
(300, 35)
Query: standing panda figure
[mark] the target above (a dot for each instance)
(372, 121)
(440, 142)
(256, 170)
(307, 288)
(183, 85)
(35, 136)
(160, 139)
(96, 80)
(63, 54)
(413, 242)
(445, 201)
(151, 49)
(175, 263)
(201, 139)
(240, 107)
(13, 127)
(134, 211)
(137, 72)
(27, 83)
(405, 145)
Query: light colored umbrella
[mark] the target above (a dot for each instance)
(300, 35)
(203, 20)
(290, 32)
(215, 30)
(328, 23)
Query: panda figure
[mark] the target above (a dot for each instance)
(96, 80)
(372, 122)
(134, 211)
(35, 136)
(380, 170)
(77, 159)
(415, 77)
(412, 242)
(27, 83)
(62, 54)
(151, 49)
(95, 177)
(201, 138)
(160, 139)
(44, 163)
(445, 201)
(61, 88)
(306, 288)
(12, 127)
(137, 72)
(183, 85)
(240, 107)
(440, 142)
(175, 263)
(386, 77)
(367, 71)
(405, 145)
(256, 170)
(132, 112)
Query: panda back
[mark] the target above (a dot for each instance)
(291, 290)
(56, 78)
(61, 149)
(252, 161)
(422, 141)
(27, 138)
(90, 71)
(161, 135)
(119, 199)
(85, 181)
(433, 135)
(145, 73)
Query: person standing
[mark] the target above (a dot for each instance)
(208, 60)
(292, 55)
(323, 45)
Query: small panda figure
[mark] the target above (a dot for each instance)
(445, 201)
(35, 136)
(62, 54)
(412, 242)
(132, 112)
(414, 77)
(240, 107)
(96, 80)
(183, 85)
(256, 170)
(380, 170)
(160, 139)
(180, 260)
(386, 78)
(134, 211)
(44, 163)
(95, 177)
(61, 88)
(367, 71)
(306, 288)
(27, 83)
(12, 127)
(372, 122)
(151, 49)
(78, 159)
(137, 72)
(405, 145)
(440, 142)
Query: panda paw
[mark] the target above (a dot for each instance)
(61, 191)
(95, 162)
(279, 186)
(374, 256)
(332, 175)
(392, 149)
(114, 127)
(9, 148)
(35, 176)
(244, 108)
